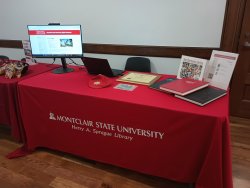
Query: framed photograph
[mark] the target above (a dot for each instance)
(139, 78)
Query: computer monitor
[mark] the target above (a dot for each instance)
(56, 41)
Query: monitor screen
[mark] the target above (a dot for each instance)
(55, 41)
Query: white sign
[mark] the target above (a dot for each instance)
(220, 68)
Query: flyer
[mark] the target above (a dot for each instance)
(220, 68)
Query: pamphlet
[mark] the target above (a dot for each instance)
(27, 52)
(220, 68)
(126, 87)
(191, 67)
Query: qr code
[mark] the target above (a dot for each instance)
(210, 75)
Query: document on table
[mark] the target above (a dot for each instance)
(139, 78)
(220, 68)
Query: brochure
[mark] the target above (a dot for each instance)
(126, 87)
(27, 52)
(220, 68)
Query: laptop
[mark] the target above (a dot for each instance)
(100, 66)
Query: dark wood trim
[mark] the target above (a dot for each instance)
(232, 25)
(239, 95)
(229, 41)
(135, 50)
(11, 44)
(155, 51)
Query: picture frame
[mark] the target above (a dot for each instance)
(139, 78)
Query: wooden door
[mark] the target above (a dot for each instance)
(240, 86)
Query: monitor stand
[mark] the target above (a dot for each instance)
(63, 69)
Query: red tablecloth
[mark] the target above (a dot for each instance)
(144, 130)
(9, 111)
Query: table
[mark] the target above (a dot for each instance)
(144, 130)
(9, 110)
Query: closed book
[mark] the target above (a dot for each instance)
(158, 84)
(183, 86)
(204, 96)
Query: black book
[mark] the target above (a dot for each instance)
(158, 84)
(204, 96)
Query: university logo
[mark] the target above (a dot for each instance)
(72, 120)
(52, 116)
